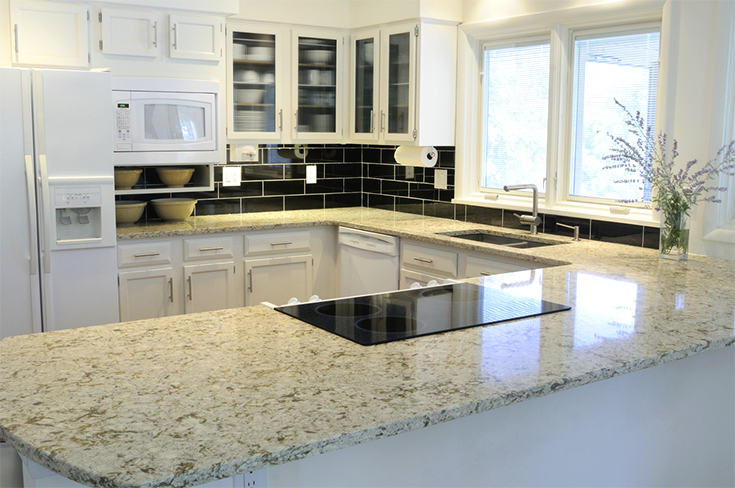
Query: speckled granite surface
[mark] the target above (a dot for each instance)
(186, 399)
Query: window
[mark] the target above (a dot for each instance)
(516, 92)
(622, 67)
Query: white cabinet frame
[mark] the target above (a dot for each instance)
(196, 37)
(356, 36)
(129, 32)
(159, 279)
(201, 296)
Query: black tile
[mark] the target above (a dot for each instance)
(388, 155)
(617, 233)
(394, 188)
(217, 207)
(353, 184)
(484, 215)
(326, 186)
(450, 177)
(304, 202)
(422, 190)
(446, 195)
(446, 159)
(409, 205)
(291, 171)
(343, 200)
(246, 189)
(284, 187)
(263, 204)
(353, 154)
(460, 211)
(510, 221)
(342, 170)
(371, 155)
(380, 201)
(439, 209)
(217, 173)
(281, 155)
(550, 226)
(650, 237)
(370, 185)
(401, 173)
(429, 175)
(326, 155)
(262, 172)
(197, 195)
(381, 171)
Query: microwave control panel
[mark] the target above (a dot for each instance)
(121, 107)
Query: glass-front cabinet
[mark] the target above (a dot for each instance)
(364, 98)
(317, 87)
(383, 84)
(257, 82)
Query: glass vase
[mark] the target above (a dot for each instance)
(674, 236)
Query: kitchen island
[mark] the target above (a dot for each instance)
(188, 399)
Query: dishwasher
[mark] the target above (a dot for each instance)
(368, 262)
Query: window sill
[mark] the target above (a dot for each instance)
(636, 216)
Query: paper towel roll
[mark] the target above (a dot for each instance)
(424, 156)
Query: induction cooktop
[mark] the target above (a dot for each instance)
(386, 317)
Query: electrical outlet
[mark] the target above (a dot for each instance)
(243, 153)
(410, 172)
(254, 479)
(310, 173)
(231, 176)
(440, 179)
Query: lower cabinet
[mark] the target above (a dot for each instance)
(148, 293)
(211, 286)
(410, 276)
(472, 265)
(278, 279)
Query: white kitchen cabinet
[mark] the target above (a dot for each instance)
(473, 265)
(410, 276)
(402, 85)
(258, 81)
(129, 32)
(148, 293)
(317, 84)
(196, 37)
(278, 279)
(211, 286)
(49, 33)
(433, 259)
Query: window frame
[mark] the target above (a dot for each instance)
(560, 28)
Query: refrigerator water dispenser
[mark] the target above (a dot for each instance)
(79, 215)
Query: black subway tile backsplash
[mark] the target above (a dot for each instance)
(343, 200)
(304, 202)
(262, 172)
(410, 205)
(283, 187)
(332, 185)
(262, 204)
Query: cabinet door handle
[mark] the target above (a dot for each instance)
(296, 120)
(15, 36)
(155, 33)
(175, 36)
(283, 243)
(205, 249)
(372, 121)
(147, 254)
(280, 120)
(424, 260)
(171, 290)
(382, 121)
(250, 280)
(188, 280)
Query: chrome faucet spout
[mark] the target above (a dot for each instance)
(532, 220)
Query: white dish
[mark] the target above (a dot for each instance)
(321, 56)
(248, 76)
(249, 95)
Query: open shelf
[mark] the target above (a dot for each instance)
(149, 183)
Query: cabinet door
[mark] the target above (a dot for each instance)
(474, 266)
(196, 37)
(277, 280)
(317, 85)
(364, 100)
(210, 287)
(409, 277)
(398, 86)
(128, 32)
(258, 82)
(147, 293)
(50, 33)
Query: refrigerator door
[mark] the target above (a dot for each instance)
(20, 309)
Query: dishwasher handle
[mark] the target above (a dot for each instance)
(369, 241)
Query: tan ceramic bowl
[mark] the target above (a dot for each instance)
(125, 179)
(128, 211)
(175, 177)
(173, 208)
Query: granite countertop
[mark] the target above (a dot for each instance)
(186, 399)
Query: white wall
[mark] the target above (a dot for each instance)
(330, 13)
(4, 32)
(483, 10)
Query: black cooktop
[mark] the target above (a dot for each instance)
(386, 317)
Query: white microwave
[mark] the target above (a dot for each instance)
(165, 121)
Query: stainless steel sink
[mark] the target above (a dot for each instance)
(483, 236)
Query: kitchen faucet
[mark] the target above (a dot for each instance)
(532, 220)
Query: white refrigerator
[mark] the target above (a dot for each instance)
(58, 263)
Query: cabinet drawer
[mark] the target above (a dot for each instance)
(201, 248)
(145, 253)
(276, 242)
(484, 266)
(429, 258)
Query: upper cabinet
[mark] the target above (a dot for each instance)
(196, 37)
(402, 84)
(129, 32)
(49, 33)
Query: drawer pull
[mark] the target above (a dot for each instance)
(188, 279)
(147, 254)
(205, 249)
(485, 273)
(284, 243)
(171, 290)
(250, 279)
(424, 260)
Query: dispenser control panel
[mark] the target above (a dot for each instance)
(77, 197)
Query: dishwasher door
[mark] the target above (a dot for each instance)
(368, 262)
